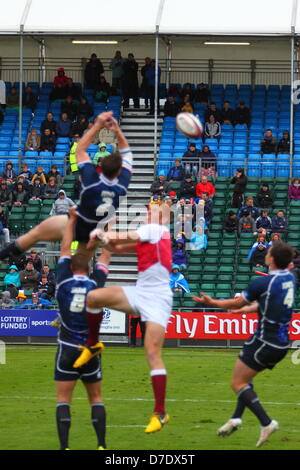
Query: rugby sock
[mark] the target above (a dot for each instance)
(11, 249)
(94, 321)
(159, 385)
(250, 399)
(240, 406)
(63, 420)
(99, 422)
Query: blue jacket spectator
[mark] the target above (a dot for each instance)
(178, 281)
(176, 173)
(249, 206)
(279, 223)
(63, 126)
(179, 254)
(264, 222)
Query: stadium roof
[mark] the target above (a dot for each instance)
(195, 17)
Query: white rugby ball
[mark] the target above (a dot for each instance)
(189, 125)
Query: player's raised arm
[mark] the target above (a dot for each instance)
(65, 248)
(123, 146)
(86, 140)
(236, 303)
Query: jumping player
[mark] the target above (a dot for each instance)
(100, 195)
(275, 296)
(151, 297)
(73, 285)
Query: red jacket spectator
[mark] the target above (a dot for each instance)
(205, 187)
(60, 78)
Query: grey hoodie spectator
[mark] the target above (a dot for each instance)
(6, 301)
(212, 129)
(62, 204)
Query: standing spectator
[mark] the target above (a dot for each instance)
(55, 174)
(264, 222)
(202, 94)
(12, 98)
(176, 173)
(19, 197)
(186, 105)
(205, 187)
(35, 260)
(144, 85)
(188, 187)
(269, 143)
(60, 80)
(190, 159)
(93, 70)
(102, 152)
(150, 83)
(69, 107)
(242, 114)
(84, 108)
(72, 154)
(37, 190)
(29, 276)
(240, 181)
(257, 259)
(51, 189)
(49, 123)
(130, 81)
(294, 190)
(264, 197)
(48, 141)
(279, 223)
(212, 129)
(284, 143)
(249, 206)
(3, 225)
(246, 223)
(79, 126)
(116, 66)
(102, 90)
(33, 141)
(12, 279)
(108, 137)
(160, 186)
(227, 114)
(179, 254)
(171, 108)
(178, 283)
(62, 204)
(212, 111)
(39, 174)
(231, 222)
(208, 162)
(9, 174)
(208, 207)
(134, 322)
(63, 126)
(4, 194)
(29, 99)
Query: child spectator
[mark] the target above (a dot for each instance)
(178, 282)
(62, 204)
(176, 173)
(258, 256)
(294, 190)
(249, 206)
(205, 187)
(284, 144)
(33, 141)
(179, 254)
(264, 197)
(29, 277)
(246, 223)
(51, 189)
(102, 152)
(37, 190)
(19, 197)
(212, 129)
(240, 181)
(9, 174)
(275, 237)
(264, 222)
(26, 173)
(54, 173)
(188, 187)
(39, 174)
(279, 223)
(35, 260)
(198, 240)
(231, 222)
(46, 289)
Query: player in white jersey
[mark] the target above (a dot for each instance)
(151, 297)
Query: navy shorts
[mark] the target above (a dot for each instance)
(83, 230)
(259, 356)
(64, 370)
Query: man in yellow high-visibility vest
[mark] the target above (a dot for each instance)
(72, 157)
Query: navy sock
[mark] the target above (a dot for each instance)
(99, 422)
(250, 399)
(240, 406)
(63, 421)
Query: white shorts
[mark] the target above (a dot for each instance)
(152, 305)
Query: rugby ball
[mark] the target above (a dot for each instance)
(189, 125)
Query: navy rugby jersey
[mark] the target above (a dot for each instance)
(99, 196)
(71, 293)
(275, 294)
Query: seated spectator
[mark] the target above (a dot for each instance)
(275, 237)
(35, 260)
(51, 189)
(108, 137)
(4, 231)
(102, 90)
(155, 199)
(279, 223)
(95, 140)
(257, 259)
(264, 197)
(58, 93)
(171, 108)
(102, 152)
(205, 187)
(37, 190)
(4, 194)
(12, 98)
(12, 280)
(34, 302)
(99, 166)
(60, 79)
(56, 174)
(261, 238)
(240, 181)
(69, 108)
(19, 197)
(84, 108)
(179, 254)
(227, 114)
(183, 227)
(198, 240)
(48, 273)
(29, 99)
(208, 162)
(202, 94)
(190, 159)
(78, 127)
(294, 190)
(49, 123)
(212, 111)
(269, 143)
(33, 141)
(231, 221)
(187, 89)
(186, 105)
(20, 300)
(48, 141)
(9, 174)
(39, 174)
(264, 222)
(26, 173)
(29, 277)
(176, 173)
(6, 300)
(20, 179)
(188, 187)
(284, 144)
(246, 223)
(160, 186)
(249, 206)
(242, 114)
(63, 126)
(62, 204)
(178, 282)
(71, 89)
(212, 129)
(46, 288)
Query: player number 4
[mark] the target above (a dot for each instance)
(289, 298)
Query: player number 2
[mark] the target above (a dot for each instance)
(289, 298)
(77, 304)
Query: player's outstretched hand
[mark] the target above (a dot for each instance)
(104, 118)
(204, 299)
(97, 238)
(112, 125)
(72, 212)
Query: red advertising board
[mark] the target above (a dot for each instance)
(216, 325)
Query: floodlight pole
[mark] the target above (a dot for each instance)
(21, 95)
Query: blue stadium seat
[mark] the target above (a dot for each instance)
(282, 170)
(31, 153)
(224, 169)
(268, 169)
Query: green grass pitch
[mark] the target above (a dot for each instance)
(199, 400)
